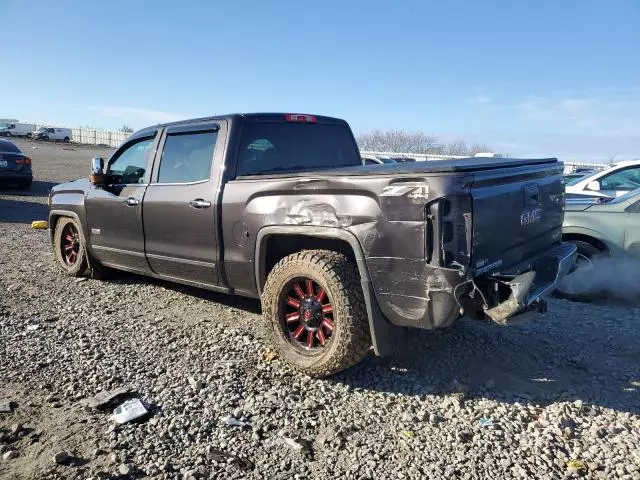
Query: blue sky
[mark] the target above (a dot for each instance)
(529, 78)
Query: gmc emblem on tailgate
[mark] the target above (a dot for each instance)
(531, 216)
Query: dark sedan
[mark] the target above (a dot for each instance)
(15, 166)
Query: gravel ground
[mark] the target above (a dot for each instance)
(556, 398)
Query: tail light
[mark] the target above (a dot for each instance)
(299, 118)
(449, 231)
(23, 161)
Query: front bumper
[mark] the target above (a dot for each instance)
(528, 289)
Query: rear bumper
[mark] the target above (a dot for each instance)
(15, 176)
(528, 289)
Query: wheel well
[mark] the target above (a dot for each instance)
(276, 247)
(599, 244)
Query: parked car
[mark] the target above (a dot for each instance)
(576, 175)
(611, 182)
(53, 133)
(15, 166)
(603, 225)
(403, 159)
(599, 227)
(279, 207)
(17, 130)
(371, 160)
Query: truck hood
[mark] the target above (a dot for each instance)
(79, 185)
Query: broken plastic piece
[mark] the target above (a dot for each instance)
(233, 422)
(40, 224)
(129, 410)
(105, 397)
(485, 422)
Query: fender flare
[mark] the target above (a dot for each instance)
(381, 330)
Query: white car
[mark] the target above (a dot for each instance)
(612, 182)
(17, 130)
(53, 133)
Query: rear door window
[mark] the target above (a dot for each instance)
(281, 147)
(187, 157)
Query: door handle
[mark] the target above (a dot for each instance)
(200, 203)
(131, 202)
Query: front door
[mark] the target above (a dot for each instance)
(179, 209)
(114, 212)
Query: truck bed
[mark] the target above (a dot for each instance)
(470, 164)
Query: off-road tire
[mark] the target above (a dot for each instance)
(86, 265)
(350, 339)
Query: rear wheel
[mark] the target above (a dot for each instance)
(315, 312)
(66, 139)
(569, 286)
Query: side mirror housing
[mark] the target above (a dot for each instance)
(594, 186)
(96, 177)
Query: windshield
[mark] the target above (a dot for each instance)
(280, 147)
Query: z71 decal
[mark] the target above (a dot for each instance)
(410, 190)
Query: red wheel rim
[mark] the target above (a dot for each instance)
(307, 315)
(70, 245)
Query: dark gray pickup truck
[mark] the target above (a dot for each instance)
(280, 207)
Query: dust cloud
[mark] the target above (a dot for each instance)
(615, 278)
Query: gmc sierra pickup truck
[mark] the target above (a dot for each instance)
(280, 207)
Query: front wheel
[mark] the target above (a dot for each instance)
(71, 253)
(315, 312)
(69, 248)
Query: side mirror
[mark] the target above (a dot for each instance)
(595, 186)
(96, 176)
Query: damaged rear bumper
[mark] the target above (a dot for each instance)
(528, 289)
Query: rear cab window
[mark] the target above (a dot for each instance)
(280, 147)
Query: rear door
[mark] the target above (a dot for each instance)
(179, 211)
(114, 212)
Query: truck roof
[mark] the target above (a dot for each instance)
(245, 117)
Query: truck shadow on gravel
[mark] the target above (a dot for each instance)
(538, 363)
(22, 211)
(506, 365)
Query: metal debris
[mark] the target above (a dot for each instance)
(105, 397)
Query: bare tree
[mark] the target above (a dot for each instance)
(401, 141)
(126, 128)
(397, 141)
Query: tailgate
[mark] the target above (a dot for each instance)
(517, 213)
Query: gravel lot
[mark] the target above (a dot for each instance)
(556, 398)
